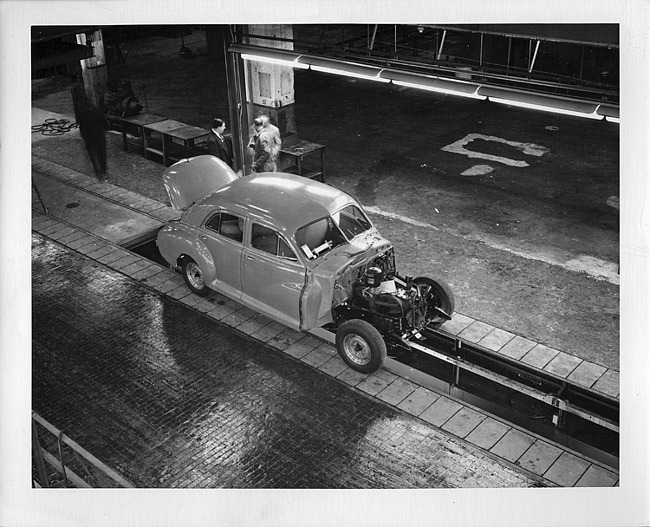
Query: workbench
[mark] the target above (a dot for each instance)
(160, 138)
(292, 159)
(135, 126)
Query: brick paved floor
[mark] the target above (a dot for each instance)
(171, 398)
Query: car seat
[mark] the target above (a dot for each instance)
(231, 229)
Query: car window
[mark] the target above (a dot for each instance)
(227, 225)
(269, 241)
(319, 237)
(352, 221)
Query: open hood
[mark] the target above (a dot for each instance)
(191, 179)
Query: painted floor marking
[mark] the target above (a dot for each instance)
(477, 170)
(380, 212)
(530, 149)
(594, 267)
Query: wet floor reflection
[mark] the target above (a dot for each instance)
(169, 397)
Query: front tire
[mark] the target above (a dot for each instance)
(440, 296)
(193, 276)
(360, 346)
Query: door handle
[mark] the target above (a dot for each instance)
(203, 237)
(249, 257)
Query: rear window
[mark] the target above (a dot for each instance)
(227, 225)
(319, 237)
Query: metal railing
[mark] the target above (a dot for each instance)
(96, 474)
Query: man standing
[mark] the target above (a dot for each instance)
(261, 144)
(274, 138)
(91, 127)
(218, 144)
(266, 144)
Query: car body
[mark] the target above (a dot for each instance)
(288, 247)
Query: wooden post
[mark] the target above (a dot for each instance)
(235, 77)
(270, 87)
(93, 69)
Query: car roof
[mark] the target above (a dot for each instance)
(284, 200)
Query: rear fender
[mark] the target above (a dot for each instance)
(175, 242)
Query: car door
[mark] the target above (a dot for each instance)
(273, 277)
(222, 234)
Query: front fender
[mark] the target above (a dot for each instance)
(176, 240)
(312, 313)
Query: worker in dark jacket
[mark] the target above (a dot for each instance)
(220, 145)
(91, 127)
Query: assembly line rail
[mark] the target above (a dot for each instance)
(560, 393)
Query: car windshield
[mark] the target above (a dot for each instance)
(352, 221)
(319, 237)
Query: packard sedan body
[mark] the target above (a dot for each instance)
(298, 251)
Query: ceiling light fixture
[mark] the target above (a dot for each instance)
(443, 85)
(611, 113)
(536, 101)
(551, 109)
(435, 84)
(270, 60)
(279, 57)
(341, 67)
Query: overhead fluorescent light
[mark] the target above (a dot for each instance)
(279, 57)
(551, 109)
(348, 74)
(342, 67)
(444, 85)
(611, 113)
(271, 60)
(472, 95)
(546, 103)
(434, 84)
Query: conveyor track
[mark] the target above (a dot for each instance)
(564, 395)
(552, 406)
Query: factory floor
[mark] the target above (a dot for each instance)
(517, 210)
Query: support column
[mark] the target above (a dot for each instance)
(237, 102)
(93, 70)
(270, 87)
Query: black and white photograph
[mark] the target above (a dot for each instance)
(302, 264)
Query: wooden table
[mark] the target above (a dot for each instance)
(297, 152)
(156, 139)
(138, 122)
(187, 135)
(160, 136)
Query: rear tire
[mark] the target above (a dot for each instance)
(440, 295)
(193, 276)
(360, 346)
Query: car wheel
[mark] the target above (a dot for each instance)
(194, 277)
(360, 346)
(440, 296)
